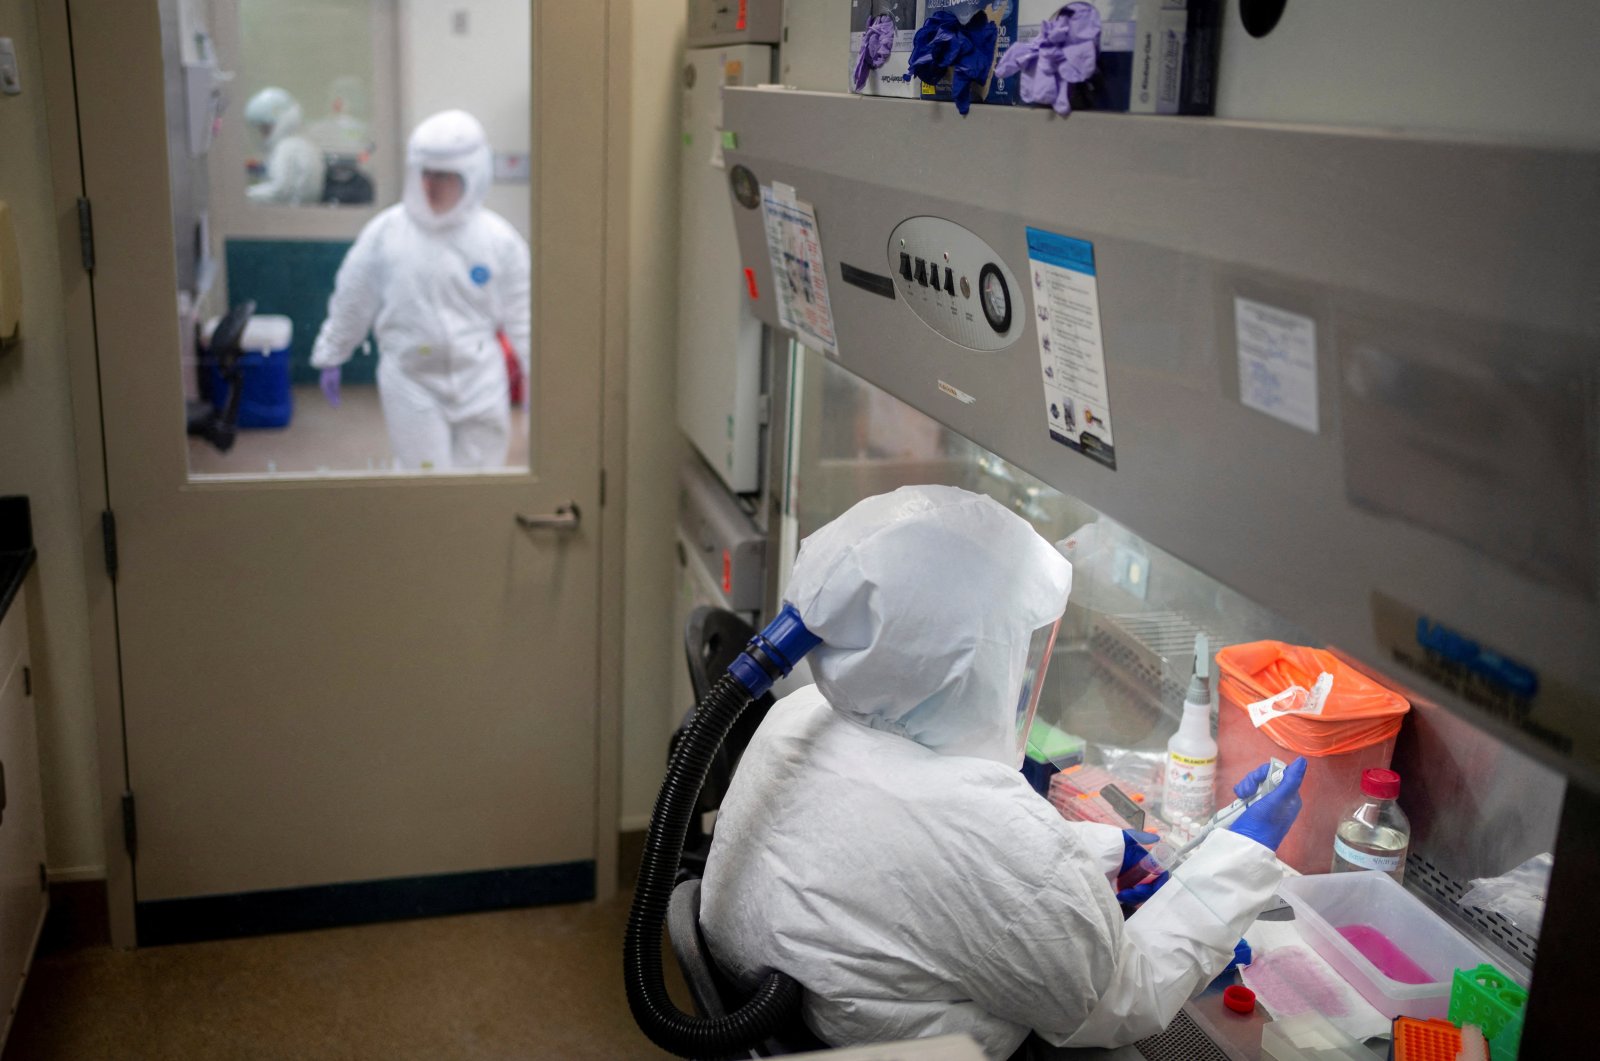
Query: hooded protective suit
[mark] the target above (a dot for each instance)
(879, 845)
(436, 289)
(295, 169)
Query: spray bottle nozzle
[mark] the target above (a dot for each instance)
(1200, 684)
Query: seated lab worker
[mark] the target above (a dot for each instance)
(295, 169)
(437, 278)
(879, 845)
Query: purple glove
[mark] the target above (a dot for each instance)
(1268, 819)
(330, 385)
(876, 43)
(966, 52)
(1065, 53)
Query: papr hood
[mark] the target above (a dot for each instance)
(925, 600)
(454, 142)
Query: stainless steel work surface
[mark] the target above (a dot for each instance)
(1204, 1030)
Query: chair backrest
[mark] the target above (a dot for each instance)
(227, 336)
(712, 640)
(689, 946)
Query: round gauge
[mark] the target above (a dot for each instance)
(746, 189)
(995, 298)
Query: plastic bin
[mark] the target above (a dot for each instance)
(1355, 732)
(1326, 903)
(265, 398)
(1489, 998)
(1309, 1037)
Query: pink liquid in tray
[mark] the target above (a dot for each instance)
(1381, 952)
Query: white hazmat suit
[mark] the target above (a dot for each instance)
(295, 169)
(436, 289)
(879, 845)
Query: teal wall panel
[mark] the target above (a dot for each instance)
(293, 278)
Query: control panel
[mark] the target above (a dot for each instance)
(956, 283)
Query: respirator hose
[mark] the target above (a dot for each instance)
(777, 1000)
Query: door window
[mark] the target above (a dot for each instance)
(349, 305)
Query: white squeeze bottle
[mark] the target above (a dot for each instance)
(1192, 751)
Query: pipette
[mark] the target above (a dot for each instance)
(1229, 814)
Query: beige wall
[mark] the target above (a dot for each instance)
(654, 443)
(483, 71)
(38, 458)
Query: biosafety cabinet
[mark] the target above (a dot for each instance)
(1333, 387)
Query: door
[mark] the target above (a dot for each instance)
(348, 695)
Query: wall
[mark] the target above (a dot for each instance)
(1481, 71)
(1531, 76)
(38, 458)
(652, 648)
(483, 70)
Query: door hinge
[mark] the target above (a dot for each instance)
(130, 826)
(602, 488)
(86, 235)
(27, 681)
(108, 531)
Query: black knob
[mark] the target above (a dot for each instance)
(905, 266)
(949, 281)
(922, 272)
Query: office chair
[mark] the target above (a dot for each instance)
(220, 426)
(707, 985)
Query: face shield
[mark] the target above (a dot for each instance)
(1040, 647)
(451, 147)
(956, 662)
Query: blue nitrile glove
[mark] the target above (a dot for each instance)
(1135, 846)
(1241, 956)
(329, 381)
(1267, 821)
(1134, 849)
(966, 50)
(1139, 894)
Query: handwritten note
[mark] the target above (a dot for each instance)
(1277, 362)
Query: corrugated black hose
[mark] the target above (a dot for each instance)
(776, 1002)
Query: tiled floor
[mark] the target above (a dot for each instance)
(540, 983)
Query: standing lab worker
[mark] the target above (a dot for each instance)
(437, 278)
(295, 169)
(879, 845)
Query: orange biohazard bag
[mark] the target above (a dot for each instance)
(1355, 732)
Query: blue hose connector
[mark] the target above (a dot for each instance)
(773, 653)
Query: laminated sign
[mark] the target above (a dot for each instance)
(799, 275)
(1072, 360)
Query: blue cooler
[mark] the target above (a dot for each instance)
(266, 400)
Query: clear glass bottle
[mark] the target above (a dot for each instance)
(1374, 833)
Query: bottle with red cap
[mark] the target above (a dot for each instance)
(1374, 833)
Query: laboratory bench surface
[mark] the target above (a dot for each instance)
(1205, 1030)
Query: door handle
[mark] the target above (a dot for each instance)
(564, 518)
